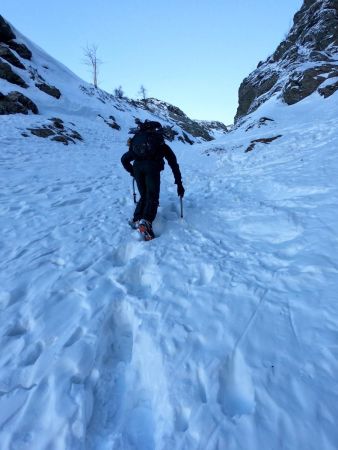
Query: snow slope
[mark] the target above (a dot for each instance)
(80, 99)
(219, 334)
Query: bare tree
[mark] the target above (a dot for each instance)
(118, 92)
(143, 93)
(91, 59)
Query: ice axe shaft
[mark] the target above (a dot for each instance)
(134, 192)
(181, 203)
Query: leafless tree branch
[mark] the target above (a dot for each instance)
(91, 59)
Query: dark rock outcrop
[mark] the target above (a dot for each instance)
(213, 126)
(8, 55)
(263, 121)
(197, 129)
(58, 130)
(50, 90)
(21, 50)
(185, 139)
(249, 92)
(43, 132)
(57, 123)
(8, 37)
(111, 122)
(6, 33)
(175, 114)
(15, 102)
(301, 63)
(261, 141)
(302, 84)
(169, 133)
(63, 139)
(9, 75)
(188, 125)
(328, 90)
(75, 135)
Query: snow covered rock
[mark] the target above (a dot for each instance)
(196, 128)
(50, 90)
(8, 37)
(214, 127)
(111, 122)
(6, 33)
(9, 75)
(21, 49)
(57, 130)
(9, 56)
(302, 62)
(15, 102)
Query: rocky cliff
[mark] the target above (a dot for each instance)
(207, 130)
(305, 62)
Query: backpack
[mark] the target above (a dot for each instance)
(145, 144)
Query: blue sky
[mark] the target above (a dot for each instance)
(192, 53)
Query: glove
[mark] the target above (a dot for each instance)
(180, 190)
(131, 171)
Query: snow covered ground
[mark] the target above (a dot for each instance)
(222, 333)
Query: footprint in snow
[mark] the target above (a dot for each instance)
(141, 427)
(236, 394)
(16, 330)
(85, 190)
(205, 274)
(201, 385)
(75, 201)
(276, 229)
(141, 277)
(112, 363)
(78, 333)
(127, 251)
(33, 353)
(8, 299)
(182, 418)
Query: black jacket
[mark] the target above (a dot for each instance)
(164, 151)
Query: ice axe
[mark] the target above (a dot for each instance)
(181, 203)
(134, 192)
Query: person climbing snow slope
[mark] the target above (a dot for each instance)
(147, 150)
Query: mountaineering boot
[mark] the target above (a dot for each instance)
(133, 224)
(146, 230)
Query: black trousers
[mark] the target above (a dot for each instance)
(148, 179)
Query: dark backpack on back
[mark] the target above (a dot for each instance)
(145, 144)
